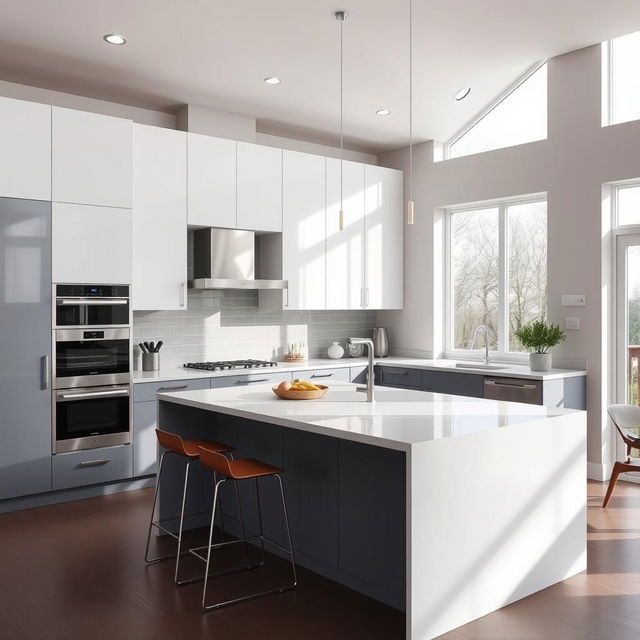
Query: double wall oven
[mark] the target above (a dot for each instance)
(91, 367)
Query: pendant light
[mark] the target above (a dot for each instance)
(341, 16)
(410, 216)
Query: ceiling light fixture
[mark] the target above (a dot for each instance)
(341, 16)
(410, 214)
(114, 38)
(462, 94)
(273, 80)
(383, 112)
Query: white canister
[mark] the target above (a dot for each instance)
(335, 351)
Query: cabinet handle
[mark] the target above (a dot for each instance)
(95, 463)
(511, 385)
(252, 381)
(173, 388)
(182, 294)
(322, 375)
(366, 296)
(44, 363)
(286, 297)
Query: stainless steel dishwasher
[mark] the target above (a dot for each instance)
(513, 390)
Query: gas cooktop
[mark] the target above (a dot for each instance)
(223, 365)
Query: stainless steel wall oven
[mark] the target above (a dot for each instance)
(91, 367)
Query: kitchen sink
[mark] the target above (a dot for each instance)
(480, 365)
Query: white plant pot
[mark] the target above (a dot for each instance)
(335, 351)
(540, 361)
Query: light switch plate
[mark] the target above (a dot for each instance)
(572, 324)
(574, 300)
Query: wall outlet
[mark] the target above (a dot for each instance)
(574, 300)
(572, 324)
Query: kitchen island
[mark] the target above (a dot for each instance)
(443, 506)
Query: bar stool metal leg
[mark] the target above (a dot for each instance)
(209, 547)
(286, 521)
(153, 511)
(260, 531)
(184, 500)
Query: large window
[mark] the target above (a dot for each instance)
(621, 89)
(517, 116)
(497, 271)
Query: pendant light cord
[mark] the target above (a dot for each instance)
(341, 113)
(411, 100)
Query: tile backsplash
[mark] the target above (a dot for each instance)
(226, 325)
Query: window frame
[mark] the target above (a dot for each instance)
(502, 354)
(488, 109)
(617, 187)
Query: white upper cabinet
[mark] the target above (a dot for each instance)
(211, 181)
(91, 158)
(303, 232)
(159, 218)
(345, 249)
(259, 204)
(91, 244)
(25, 150)
(383, 238)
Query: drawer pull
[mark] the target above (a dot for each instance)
(252, 381)
(397, 373)
(175, 387)
(510, 384)
(95, 463)
(322, 375)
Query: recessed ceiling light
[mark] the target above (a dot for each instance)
(462, 94)
(114, 38)
(383, 112)
(272, 80)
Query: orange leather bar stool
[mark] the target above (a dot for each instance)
(239, 470)
(188, 450)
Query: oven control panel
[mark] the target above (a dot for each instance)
(92, 291)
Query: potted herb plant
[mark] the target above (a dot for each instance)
(538, 337)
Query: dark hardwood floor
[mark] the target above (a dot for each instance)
(75, 571)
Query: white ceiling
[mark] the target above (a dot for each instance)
(216, 53)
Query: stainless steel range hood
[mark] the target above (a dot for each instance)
(225, 259)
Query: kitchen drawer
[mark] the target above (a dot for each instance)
(322, 375)
(143, 392)
(398, 377)
(454, 383)
(94, 466)
(250, 379)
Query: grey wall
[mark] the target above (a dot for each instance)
(572, 167)
(223, 325)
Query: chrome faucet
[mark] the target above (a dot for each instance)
(485, 332)
(370, 373)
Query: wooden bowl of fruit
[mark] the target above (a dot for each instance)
(300, 390)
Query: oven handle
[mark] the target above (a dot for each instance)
(115, 393)
(62, 302)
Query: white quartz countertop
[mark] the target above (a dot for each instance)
(506, 370)
(398, 419)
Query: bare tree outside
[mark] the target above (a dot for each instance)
(527, 247)
(475, 248)
(476, 264)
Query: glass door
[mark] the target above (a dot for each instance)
(628, 324)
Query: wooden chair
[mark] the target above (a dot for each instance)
(625, 417)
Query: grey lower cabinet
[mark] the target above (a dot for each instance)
(145, 420)
(25, 347)
(91, 466)
(401, 377)
(457, 384)
(569, 393)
